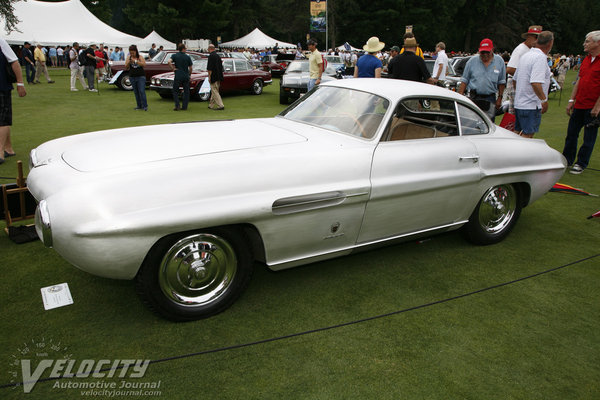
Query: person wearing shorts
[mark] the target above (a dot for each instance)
(532, 80)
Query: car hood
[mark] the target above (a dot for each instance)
(195, 75)
(141, 145)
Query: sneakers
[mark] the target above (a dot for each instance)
(93, 90)
(74, 90)
(576, 169)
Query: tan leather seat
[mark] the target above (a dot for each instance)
(405, 130)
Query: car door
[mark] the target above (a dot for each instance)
(424, 173)
(243, 74)
(229, 80)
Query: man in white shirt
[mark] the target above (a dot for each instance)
(441, 63)
(532, 80)
(530, 40)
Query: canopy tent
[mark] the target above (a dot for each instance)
(63, 23)
(146, 43)
(343, 47)
(257, 40)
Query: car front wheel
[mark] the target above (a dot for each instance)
(257, 86)
(495, 215)
(125, 82)
(195, 275)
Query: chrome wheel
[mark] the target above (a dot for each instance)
(197, 270)
(495, 215)
(497, 208)
(257, 87)
(126, 82)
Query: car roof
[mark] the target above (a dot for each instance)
(394, 88)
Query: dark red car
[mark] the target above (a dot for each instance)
(277, 63)
(238, 75)
(157, 65)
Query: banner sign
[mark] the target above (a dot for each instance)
(318, 15)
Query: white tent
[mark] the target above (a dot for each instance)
(257, 40)
(342, 47)
(63, 23)
(146, 43)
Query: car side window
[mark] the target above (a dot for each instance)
(241, 65)
(471, 123)
(228, 66)
(195, 57)
(421, 118)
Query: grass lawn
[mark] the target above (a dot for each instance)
(537, 338)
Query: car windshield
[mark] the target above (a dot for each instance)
(342, 110)
(159, 57)
(430, 64)
(297, 66)
(199, 65)
(334, 59)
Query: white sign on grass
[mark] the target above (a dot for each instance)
(56, 296)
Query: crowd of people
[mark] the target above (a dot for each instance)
(517, 82)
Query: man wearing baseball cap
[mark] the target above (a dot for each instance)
(485, 78)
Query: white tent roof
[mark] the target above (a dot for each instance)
(258, 40)
(146, 43)
(63, 23)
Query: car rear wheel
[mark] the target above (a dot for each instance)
(204, 96)
(257, 86)
(195, 275)
(283, 99)
(125, 82)
(495, 215)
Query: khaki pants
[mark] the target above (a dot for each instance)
(77, 73)
(215, 96)
(39, 67)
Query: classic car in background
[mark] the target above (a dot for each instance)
(294, 82)
(353, 164)
(452, 80)
(239, 75)
(157, 65)
(276, 64)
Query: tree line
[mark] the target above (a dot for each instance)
(461, 24)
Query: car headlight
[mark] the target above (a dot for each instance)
(33, 161)
(42, 223)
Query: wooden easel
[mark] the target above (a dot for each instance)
(21, 190)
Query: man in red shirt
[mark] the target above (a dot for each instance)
(584, 106)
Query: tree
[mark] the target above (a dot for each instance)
(7, 11)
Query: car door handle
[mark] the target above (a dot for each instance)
(474, 159)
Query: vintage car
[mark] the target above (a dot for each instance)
(276, 64)
(158, 65)
(294, 82)
(187, 209)
(238, 75)
(452, 80)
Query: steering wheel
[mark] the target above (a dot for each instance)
(357, 122)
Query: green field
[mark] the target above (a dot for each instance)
(536, 338)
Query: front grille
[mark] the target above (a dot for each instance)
(166, 83)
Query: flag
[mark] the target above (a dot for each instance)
(562, 188)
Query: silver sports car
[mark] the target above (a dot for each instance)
(186, 209)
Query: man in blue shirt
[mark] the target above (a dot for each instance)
(181, 64)
(369, 66)
(485, 78)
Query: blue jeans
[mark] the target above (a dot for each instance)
(186, 93)
(139, 89)
(580, 118)
(528, 121)
(29, 72)
(311, 83)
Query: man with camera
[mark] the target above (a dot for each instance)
(584, 106)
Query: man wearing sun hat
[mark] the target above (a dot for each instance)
(485, 78)
(530, 37)
(369, 66)
(408, 65)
